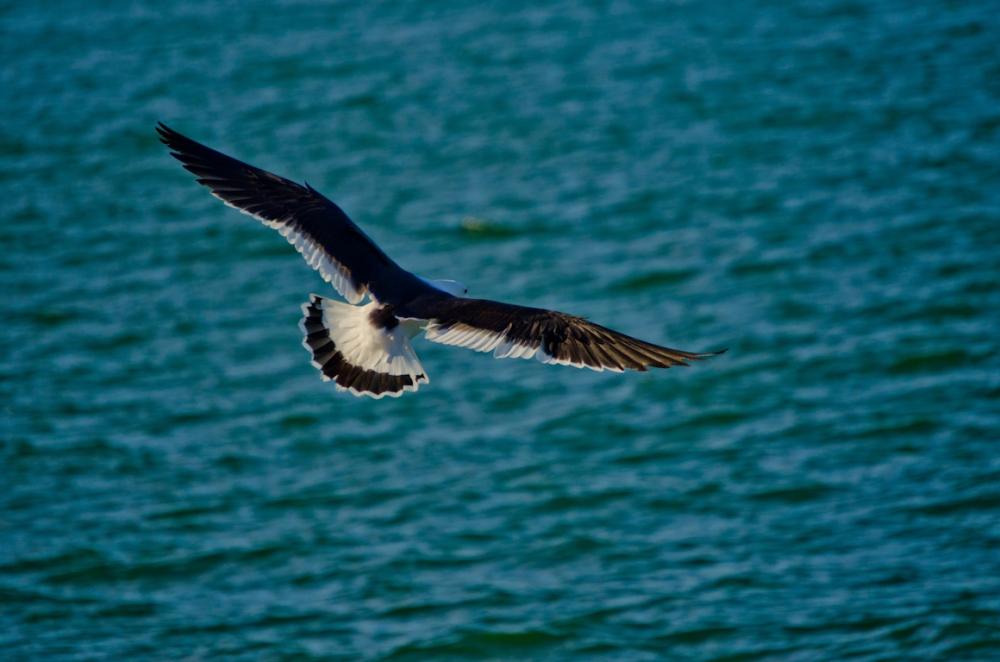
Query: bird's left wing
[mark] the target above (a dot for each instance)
(552, 337)
(328, 240)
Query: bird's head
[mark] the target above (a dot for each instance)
(452, 287)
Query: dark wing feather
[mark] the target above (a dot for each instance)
(319, 229)
(552, 337)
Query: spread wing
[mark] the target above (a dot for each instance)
(550, 336)
(328, 240)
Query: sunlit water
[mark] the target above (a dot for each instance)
(814, 185)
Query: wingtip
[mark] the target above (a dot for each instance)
(702, 356)
(699, 357)
(165, 133)
(174, 140)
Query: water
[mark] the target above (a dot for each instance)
(814, 185)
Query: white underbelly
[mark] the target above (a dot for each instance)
(412, 327)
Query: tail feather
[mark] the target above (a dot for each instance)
(359, 357)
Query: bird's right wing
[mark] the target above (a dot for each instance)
(550, 336)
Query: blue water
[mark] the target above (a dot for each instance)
(815, 185)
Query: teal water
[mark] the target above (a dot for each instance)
(815, 185)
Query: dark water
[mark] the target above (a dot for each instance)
(815, 185)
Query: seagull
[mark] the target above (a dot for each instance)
(365, 349)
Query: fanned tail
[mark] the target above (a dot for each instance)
(359, 356)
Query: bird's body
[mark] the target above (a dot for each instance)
(365, 348)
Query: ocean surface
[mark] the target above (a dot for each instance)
(814, 185)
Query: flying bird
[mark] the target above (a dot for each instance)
(366, 349)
